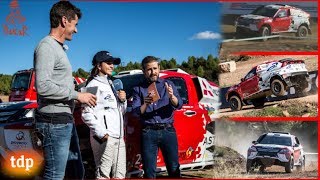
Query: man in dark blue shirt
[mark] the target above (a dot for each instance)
(157, 119)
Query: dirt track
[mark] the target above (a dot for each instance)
(271, 172)
(4, 98)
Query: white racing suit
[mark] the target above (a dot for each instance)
(106, 118)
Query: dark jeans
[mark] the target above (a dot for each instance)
(166, 140)
(61, 150)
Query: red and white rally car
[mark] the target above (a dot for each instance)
(273, 77)
(200, 104)
(272, 19)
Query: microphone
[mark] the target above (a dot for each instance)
(117, 83)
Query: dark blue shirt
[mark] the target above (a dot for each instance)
(160, 111)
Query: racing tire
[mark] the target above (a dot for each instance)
(235, 103)
(264, 31)
(278, 87)
(289, 165)
(249, 167)
(302, 31)
(262, 169)
(259, 102)
(302, 165)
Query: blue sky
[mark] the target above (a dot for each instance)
(130, 31)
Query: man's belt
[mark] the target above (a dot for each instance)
(158, 126)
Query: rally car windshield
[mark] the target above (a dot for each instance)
(265, 11)
(278, 140)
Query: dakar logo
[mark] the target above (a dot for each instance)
(15, 21)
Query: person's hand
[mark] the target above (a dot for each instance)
(148, 100)
(172, 97)
(169, 90)
(87, 98)
(122, 95)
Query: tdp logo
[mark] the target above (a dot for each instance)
(21, 162)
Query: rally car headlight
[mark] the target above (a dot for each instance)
(251, 151)
(286, 152)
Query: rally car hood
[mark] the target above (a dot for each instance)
(270, 146)
(7, 106)
(12, 111)
(252, 16)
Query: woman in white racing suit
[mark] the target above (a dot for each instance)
(105, 120)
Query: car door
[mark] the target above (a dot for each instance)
(281, 21)
(249, 84)
(189, 120)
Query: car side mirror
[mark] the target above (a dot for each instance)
(296, 145)
(242, 79)
(254, 142)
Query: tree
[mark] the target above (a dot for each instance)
(5, 83)
(200, 71)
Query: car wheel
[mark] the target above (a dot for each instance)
(302, 165)
(262, 169)
(302, 31)
(289, 165)
(278, 87)
(249, 166)
(259, 102)
(265, 31)
(235, 103)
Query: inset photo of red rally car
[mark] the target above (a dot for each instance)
(272, 19)
(269, 79)
(264, 26)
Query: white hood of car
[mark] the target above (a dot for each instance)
(252, 16)
(271, 146)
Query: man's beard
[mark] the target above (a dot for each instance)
(153, 78)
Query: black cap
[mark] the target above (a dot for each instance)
(104, 56)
